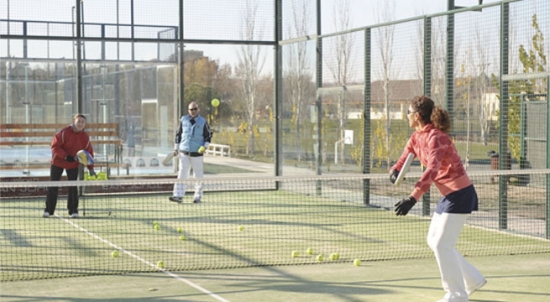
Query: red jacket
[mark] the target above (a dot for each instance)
(436, 151)
(68, 142)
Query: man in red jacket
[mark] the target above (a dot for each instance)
(65, 144)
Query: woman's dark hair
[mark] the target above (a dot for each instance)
(430, 113)
(79, 115)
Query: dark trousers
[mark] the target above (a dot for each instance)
(51, 197)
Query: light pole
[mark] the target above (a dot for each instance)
(103, 104)
(72, 19)
(8, 69)
(27, 113)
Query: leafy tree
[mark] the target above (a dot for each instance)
(533, 61)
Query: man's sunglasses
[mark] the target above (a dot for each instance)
(193, 109)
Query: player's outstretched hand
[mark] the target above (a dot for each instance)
(393, 176)
(404, 206)
(69, 158)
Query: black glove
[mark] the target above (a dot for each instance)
(91, 172)
(69, 158)
(404, 206)
(393, 176)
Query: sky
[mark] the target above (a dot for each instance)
(219, 23)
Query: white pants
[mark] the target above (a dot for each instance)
(187, 162)
(457, 274)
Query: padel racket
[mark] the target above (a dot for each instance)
(404, 169)
(168, 158)
(84, 157)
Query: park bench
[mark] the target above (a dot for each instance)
(218, 149)
(101, 134)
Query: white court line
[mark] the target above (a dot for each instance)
(169, 273)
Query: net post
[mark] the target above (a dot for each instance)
(319, 99)
(81, 188)
(427, 91)
(504, 97)
(366, 117)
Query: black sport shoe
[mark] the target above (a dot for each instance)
(175, 199)
(197, 200)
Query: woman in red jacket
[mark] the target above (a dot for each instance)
(431, 144)
(65, 144)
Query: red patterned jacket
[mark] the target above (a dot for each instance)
(67, 142)
(436, 151)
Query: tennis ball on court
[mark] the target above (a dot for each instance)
(337, 256)
(114, 254)
(294, 254)
(155, 222)
(180, 230)
(241, 228)
(215, 102)
(157, 227)
(357, 262)
(320, 257)
(333, 257)
(182, 237)
(160, 264)
(309, 251)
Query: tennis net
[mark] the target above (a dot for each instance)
(128, 226)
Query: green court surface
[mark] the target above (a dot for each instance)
(239, 244)
(510, 278)
(227, 230)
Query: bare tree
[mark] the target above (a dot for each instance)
(298, 75)
(387, 72)
(251, 60)
(419, 45)
(483, 108)
(439, 42)
(341, 67)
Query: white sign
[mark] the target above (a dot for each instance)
(348, 137)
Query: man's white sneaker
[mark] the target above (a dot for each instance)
(74, 215)
(46, 214)
(176, 199)
(478, 286)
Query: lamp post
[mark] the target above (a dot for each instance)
(103, 104)
(27, 113)
(8, 69)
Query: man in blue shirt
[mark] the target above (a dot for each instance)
(192, 138)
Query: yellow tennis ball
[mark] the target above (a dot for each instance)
(182, 237)
(309, 251)
(294, 254)
(332, 256)
(157, 227)
(180, 230)
(357, 262)
(336, 256)
(215, 102)
(160, 264)
(241, 228)
(320, 257)
(114, 254)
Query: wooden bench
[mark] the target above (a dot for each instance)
(42, 134)
(217, 149)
